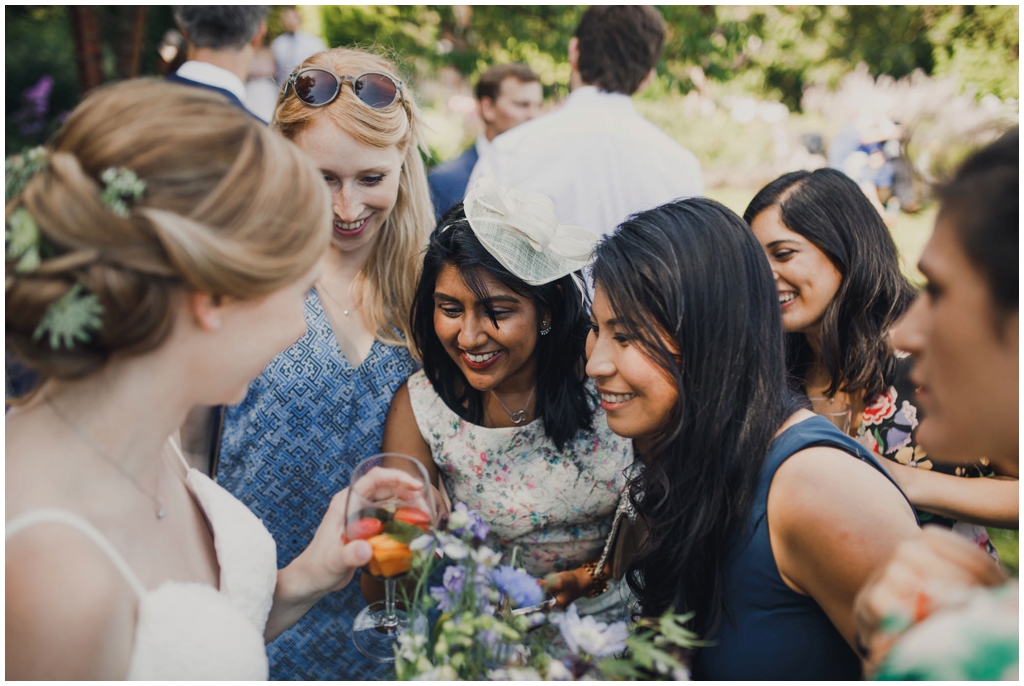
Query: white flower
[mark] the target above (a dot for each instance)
(458, 520)
(486, 557)
(422, 542)
(557, 671)
(680, 674)
(587, 635)
(442, 673)
(514, 674)
(452, 547)
(411, 646)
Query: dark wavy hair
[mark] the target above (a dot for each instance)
(983, 200)
(562, 400)
(691, 286)
(831, 211)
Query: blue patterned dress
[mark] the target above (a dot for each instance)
(306, 421)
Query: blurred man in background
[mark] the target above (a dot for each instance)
(595, 157)
(293, 46)
(507, 95)
(222, 41)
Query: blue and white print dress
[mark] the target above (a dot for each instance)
(306, 422)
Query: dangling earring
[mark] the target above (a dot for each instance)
(546, 330)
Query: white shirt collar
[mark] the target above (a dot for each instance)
(483, 146)
(591, 96)
(211, 75)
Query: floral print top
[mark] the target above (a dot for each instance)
(556, 506)
(888, 428)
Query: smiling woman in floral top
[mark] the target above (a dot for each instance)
(841, 291)
(502, 412)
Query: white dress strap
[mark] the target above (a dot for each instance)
(44, 515)
(181, 455)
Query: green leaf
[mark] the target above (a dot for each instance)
(402, 532)
(19, 170)
(72, 318)
(21, 235)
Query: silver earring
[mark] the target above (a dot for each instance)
(546, 330)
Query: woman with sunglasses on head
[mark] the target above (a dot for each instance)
(840, 292)
(687, 353)
(318, 409)
(940, 609)
(143, 251)
(502, 412)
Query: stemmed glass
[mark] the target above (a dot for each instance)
(385, 511)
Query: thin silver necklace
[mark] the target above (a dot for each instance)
(160, 511)
(516, 417)
(321, 285)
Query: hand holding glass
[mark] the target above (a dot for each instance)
(390, 503)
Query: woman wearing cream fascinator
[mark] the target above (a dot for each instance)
(502, 412)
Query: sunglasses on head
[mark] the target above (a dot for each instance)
(317, 87)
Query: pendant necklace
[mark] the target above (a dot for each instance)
(321, 285)
(155, 497)
(520, 416)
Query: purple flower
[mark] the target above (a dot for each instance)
(522, 588)
(447, 595)
(895, 439)
(476, 526)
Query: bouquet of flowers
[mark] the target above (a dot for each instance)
(489, 620)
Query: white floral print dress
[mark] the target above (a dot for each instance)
(557, 506)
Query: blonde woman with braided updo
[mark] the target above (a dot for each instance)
(146, 246)
(318, 409)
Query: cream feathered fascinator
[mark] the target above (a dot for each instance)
(521, 230)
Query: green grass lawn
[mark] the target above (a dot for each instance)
(911, 233)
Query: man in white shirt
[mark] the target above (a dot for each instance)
(222, 41)
(595, 157)
(507, 95)
(293, 46)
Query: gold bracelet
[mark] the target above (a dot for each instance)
(597, 578)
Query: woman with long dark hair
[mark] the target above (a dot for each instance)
(840, 290)
(502, 412)
(687, 352)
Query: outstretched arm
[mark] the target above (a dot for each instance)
(989, 501)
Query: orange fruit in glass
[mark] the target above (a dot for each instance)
(390, 558)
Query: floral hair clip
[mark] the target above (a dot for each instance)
(75, 316)
(19, 170)
(121, 185)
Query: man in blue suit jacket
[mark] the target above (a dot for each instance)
(507, 96)
(222, 41)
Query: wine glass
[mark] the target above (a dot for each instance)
(386, 511)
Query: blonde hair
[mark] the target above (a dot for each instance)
(230, 208)
(386, 286)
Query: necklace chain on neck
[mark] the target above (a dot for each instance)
(155, 497)
(516, 417)
(333, 299)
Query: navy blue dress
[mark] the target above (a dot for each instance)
(306, 421)
(769, 631)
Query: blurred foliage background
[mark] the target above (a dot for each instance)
(743, 87)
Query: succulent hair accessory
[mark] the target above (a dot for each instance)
(19, 170)
(74, 317)
(522, 232)
(121, 185)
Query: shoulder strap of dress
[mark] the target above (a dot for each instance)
(181, 455)
(813, 432)
(44, 515)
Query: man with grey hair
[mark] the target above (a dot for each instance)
(222, 41)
